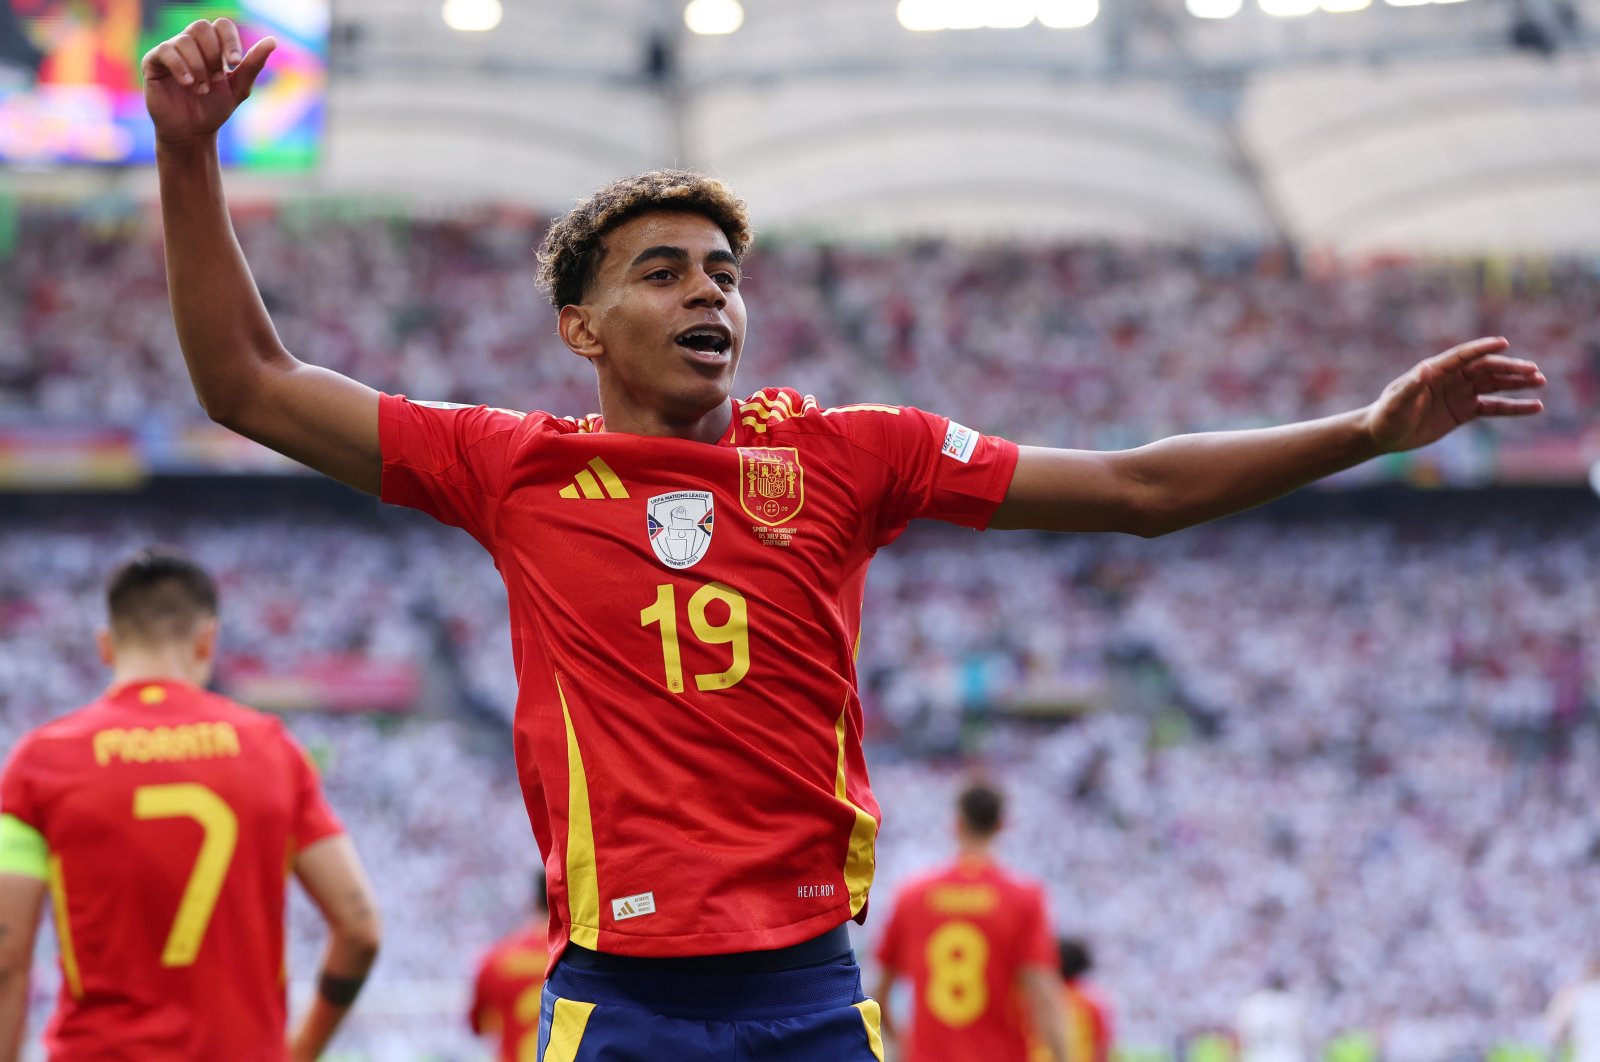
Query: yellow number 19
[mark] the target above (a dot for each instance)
(189, 800)
(734, 631)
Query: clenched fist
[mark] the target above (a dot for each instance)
(194, 81)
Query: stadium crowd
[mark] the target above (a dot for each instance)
(1355, 751)
(1080, 345)
(1365, 761)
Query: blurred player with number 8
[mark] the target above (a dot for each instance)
(976, 944)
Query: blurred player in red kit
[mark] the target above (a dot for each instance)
(1091, 1029)
(162, 820)
(505, 996)
(685, 573)
(975, 942)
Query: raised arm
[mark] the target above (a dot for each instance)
(331, 873)
(242, 374)
(1188, 479)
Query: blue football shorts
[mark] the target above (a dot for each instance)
(812, 1014)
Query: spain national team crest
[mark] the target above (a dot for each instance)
(680, 526)
(771, 483)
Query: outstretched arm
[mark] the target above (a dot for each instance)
(1188, 479)
(242, 374)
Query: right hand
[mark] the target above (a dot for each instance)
(195, 81)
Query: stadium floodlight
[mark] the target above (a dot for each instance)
(1008, 14)
(713, 17)
(1594, 477)
(1214, 8)
(921, 16)
(472, 16)
(1342, 6)
(965, 14)
(1068, 14)
(1407, 3)
(1288, 8)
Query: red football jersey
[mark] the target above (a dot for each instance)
(172, 816)
(505, 999)
(1090, 1028)
(684, 619)
(963, 935)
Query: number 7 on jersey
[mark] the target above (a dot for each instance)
(190, 800)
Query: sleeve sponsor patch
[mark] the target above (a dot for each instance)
(959, 442)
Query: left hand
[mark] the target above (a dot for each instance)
(1447, 390)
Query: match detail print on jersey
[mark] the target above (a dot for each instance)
(679, 525)
(772, 483)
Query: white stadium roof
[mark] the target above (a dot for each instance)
(1419, 127)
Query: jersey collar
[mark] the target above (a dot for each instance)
(150, 692)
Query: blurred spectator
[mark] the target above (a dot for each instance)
(1271, 1024)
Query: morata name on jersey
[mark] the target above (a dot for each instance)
(162, 744)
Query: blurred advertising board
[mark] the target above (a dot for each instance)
(332, 682)
(69, 457)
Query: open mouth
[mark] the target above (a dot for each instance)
(706, 340)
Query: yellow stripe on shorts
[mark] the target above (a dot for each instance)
(872, 1018)
(566, 1030)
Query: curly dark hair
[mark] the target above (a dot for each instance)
(570, 256)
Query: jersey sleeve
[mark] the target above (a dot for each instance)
(23, 848)
(928, 466)
(449, 461)
(18, 795)
(484, 1017)
(1038, 939)
(314, 819)
(891, 944)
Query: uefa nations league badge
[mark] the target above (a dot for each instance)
(680, 526)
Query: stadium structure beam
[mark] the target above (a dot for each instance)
(1107, 67)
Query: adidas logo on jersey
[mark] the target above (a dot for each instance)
(595, 483)
(635, 906)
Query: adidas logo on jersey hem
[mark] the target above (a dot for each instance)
(635, 906)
